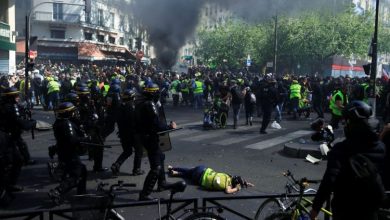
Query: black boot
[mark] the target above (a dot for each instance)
(162, 182)
(115, 168)
(149, 183)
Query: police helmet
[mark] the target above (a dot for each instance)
(114, 88)
(115, 81)
(152, 91)
(95, 89)
(128, 94)
(9, 94)
(82, 91)
(80, 85)
(73, 98)
(65, 110)
(10, 91)
(357, 110)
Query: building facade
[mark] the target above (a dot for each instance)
(66, 32)
(7, 37)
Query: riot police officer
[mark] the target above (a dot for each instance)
(89, 120)
(113, 100)
(69, 137)
(268, 99)
(126, 133)
(148, 125)
(14, 119)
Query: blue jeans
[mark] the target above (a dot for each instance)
(194, 174)
(198, 100)
(53, 100)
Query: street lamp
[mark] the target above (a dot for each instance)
(374, 65)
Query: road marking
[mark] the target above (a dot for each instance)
(209, 134)
(278, 140)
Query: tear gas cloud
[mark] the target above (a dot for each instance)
(169, 23)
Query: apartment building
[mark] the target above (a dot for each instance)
(7, 37)
(66, 32)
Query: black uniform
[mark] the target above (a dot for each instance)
(148, 124)
(13, 121)
(129, 140)
(89, 120)
(268, 97)
(69, 136)
(10, 166)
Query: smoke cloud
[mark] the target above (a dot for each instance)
(170, 22)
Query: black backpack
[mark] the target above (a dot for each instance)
(367, 178)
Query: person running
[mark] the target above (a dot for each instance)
(209, 179)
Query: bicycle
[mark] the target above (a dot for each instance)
(289, 208)
(205, 213)
(99, 203)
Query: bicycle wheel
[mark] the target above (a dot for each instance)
(204, 216)
(270, 209)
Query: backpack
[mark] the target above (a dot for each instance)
(367, 177)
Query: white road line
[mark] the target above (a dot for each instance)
(213, 134)
(278, 140)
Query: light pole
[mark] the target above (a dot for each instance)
(374, 62)
(275, 42)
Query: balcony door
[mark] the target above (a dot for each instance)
(58, 11)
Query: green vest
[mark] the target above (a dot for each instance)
(184, 87)
(105, 89)
(72, 81)
(199, 87)
(295, 91)
(332, 103)
(212, 180)
(53, 86)
(174, 86)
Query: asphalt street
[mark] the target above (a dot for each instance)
(243, 151)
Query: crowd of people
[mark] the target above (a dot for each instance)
(88, 100)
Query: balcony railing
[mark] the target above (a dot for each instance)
(60, 17)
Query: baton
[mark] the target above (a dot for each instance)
(167, 131)
(95, 145)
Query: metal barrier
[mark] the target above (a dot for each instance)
(27, 215)
(214, 201)
(186, 202)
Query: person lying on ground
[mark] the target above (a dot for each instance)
(209, 179)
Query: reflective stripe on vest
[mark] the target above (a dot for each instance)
(332, 104)
(199, 87)
(295, 91)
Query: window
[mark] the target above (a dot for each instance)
(58, 34)
(88, 17)
(131, 44)
(57, 11)
(87, 36)
(112, 20)
(121, 41)
(111, 40)
(122, 23)
(100, 38)
(4, 12)
(100, 17)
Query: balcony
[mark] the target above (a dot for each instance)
(61, 17)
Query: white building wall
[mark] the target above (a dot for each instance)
(11, 22)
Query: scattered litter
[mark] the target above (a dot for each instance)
(312, 159)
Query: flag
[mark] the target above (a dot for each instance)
(385, 74)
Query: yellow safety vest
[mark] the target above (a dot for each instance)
(199, 87)
(53, 86)
(332, 104)
(295, 91)
(212, 180)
